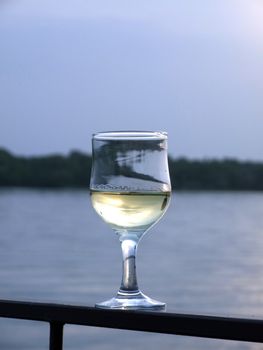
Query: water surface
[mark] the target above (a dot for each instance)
(204, 256)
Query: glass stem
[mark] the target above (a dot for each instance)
(129, 280)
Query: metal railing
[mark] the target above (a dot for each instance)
(57, 315)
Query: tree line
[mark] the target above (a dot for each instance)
(73, 170)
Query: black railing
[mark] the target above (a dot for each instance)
(57, 315)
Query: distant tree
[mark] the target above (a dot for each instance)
(74, 169)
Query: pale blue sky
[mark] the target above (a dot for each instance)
(192, 68)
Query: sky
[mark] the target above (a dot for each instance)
(191, 68)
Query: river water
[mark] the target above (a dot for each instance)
(205, 256)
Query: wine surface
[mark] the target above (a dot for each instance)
(130, 211)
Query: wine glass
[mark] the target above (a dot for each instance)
(130, 189)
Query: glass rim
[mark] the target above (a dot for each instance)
(130, 135)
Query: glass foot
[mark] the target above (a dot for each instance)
(135, 301)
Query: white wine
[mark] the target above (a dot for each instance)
(130, 211)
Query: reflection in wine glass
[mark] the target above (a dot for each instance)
(130, 190)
